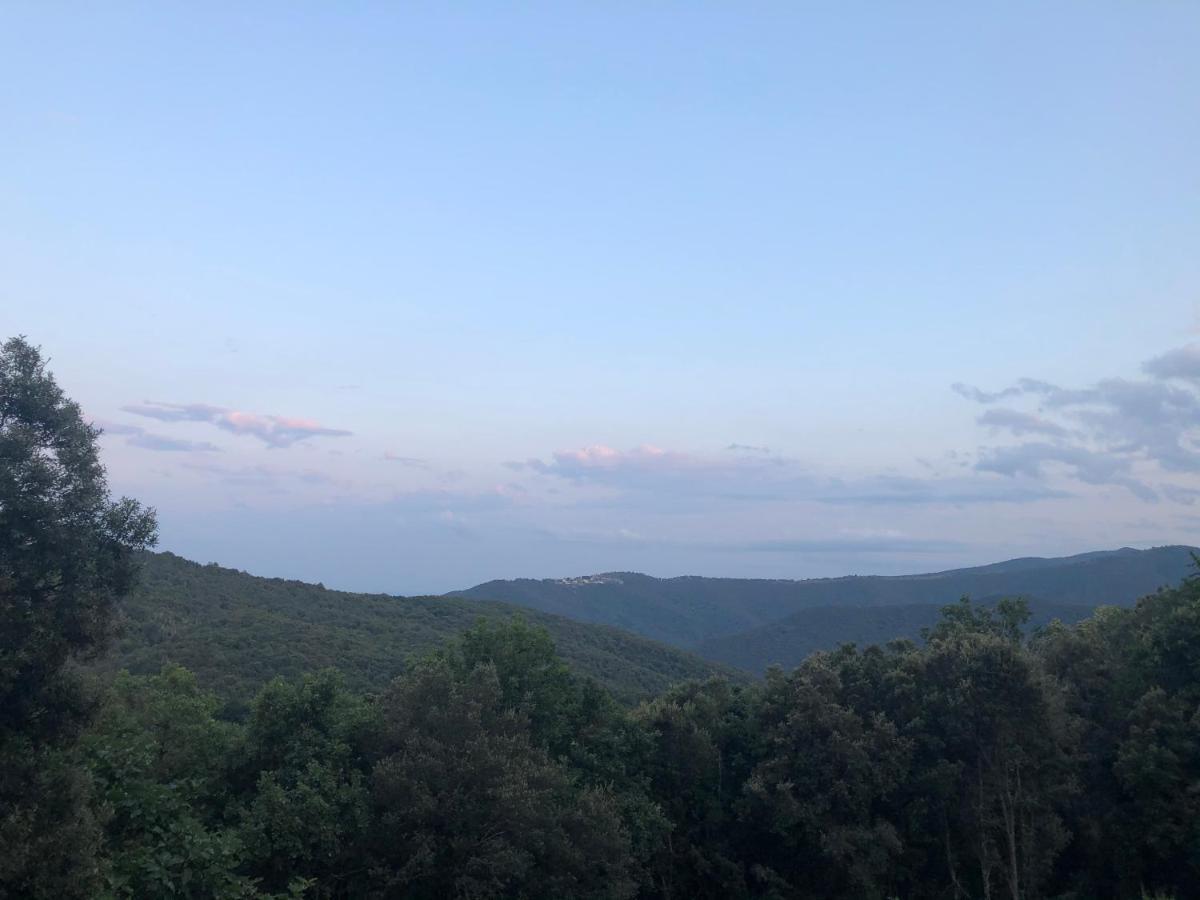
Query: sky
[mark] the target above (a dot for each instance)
(406, 297)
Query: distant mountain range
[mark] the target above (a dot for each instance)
(754, 623)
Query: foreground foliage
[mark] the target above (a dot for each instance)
(977, 765)
(66, 556)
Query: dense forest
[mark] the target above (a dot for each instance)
(753, 623)
(983, 762)
(237, 631)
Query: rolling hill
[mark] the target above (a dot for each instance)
(236, 631)
(754, 622)
(787, 642)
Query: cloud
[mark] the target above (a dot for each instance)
(1183, 362)
(275, 431)
(159, 442)
(1030, 460)
(1180, 494)
(974, 393)
(139, 437)
(747, 448)
(1114, 431)
(1024, 386)
(116, 428)
(1021, 423)
(412, 462)
(675, 476)
(899, 490)
(653, 469)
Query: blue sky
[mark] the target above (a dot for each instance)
(407, 297)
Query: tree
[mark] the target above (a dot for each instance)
(1132, 679)
(301, 772)
(819, 792)
(993, 754)
(157, 756)
(469, 807)
(697, 763)
(66, 556)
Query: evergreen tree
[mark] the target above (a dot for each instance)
(66, 556)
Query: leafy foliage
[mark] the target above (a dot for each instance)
(66, 555)
(237, 631)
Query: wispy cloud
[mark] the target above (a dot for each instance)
(674, 476)
(1089, 466)
(139, 437)
(1022, 423)
(274, 431)
(1110, 432)
(411, 462)
(900, 490)
(165, 444)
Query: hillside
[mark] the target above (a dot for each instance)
(236, 631)
(787, 642)
(696, 613)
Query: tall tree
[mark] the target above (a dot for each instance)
(468, 807)
(818, 795)
(993, 753)
(66, 556)
(301, 769)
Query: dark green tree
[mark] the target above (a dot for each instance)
(1132, 679)
(468, 806)
(301, 774)
(66, 557)
(993, 754)
(818, 795)
(158, 758)
(698, 761)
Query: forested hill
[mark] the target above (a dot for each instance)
(690, 611)
(789, 641)
(237, 631)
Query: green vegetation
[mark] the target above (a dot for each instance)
(754, 623)
(980, 764)
(65, 557)
(790, 641)
(236, 631)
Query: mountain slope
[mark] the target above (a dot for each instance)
(236, 631)
(787, 642)
(688, 611)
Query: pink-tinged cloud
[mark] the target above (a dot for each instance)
(599, 456)
(275, 431)
(649, 467)
(676, 479)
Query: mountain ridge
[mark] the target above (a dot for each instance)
(693, 612)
